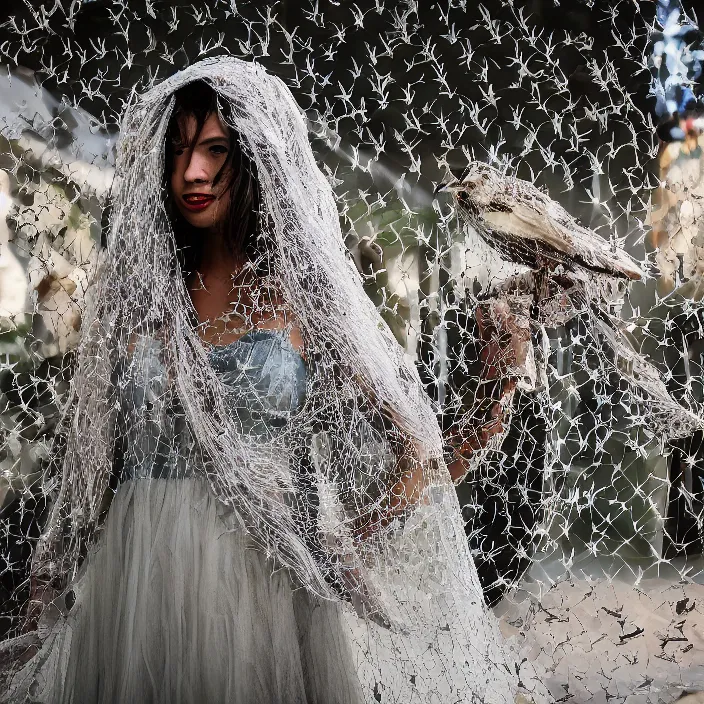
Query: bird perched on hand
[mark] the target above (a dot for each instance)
(525, 226)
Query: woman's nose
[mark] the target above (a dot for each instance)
(196, 170)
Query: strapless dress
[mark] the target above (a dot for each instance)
(175, 605)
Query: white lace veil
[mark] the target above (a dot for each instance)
(308, 496)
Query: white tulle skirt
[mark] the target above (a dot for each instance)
(174, 605)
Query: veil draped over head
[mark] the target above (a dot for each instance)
(312, 496)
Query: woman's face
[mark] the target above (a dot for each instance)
(196, 163)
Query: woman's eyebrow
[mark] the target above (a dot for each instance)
(211, 140)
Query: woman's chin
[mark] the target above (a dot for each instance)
(203, 220)
(199, 220)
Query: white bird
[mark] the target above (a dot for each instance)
(525, 226)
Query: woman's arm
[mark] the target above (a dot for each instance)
(479, 439)
(505, 343)
(503, 351)
(407, 478)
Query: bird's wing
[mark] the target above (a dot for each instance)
(590, 249)
(526, 223)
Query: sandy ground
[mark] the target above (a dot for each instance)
(607, 641)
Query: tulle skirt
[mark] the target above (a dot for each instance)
(175, 605)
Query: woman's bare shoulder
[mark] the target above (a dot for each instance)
(296, 338)
(286, 322)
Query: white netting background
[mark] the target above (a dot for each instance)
(548, 302)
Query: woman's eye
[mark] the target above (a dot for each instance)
(178, 151)
(218, 149)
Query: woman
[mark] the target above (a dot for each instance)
(252, 503)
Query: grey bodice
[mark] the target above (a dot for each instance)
(266, 384)
(266, 379)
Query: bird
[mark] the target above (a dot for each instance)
(525, 226)
(568, 262)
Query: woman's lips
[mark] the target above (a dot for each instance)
(196, 203)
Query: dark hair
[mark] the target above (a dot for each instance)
(199, 100)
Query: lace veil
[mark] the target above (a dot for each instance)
(326, 497)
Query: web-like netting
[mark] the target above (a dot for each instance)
(263, 507)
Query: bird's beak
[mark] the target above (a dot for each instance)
(446, 187)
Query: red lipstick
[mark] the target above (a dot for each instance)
(196, 202)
